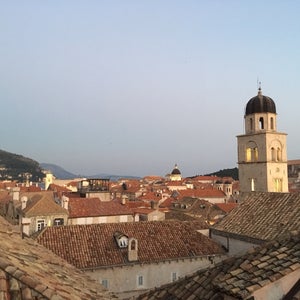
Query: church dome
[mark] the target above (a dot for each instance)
(260, 104)
(176, 171)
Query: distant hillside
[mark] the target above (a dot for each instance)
(61, 173)
(58, 171)
(113, 177)
(17, 167)
(234, 173)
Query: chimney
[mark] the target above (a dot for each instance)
(24, 200)
(65, 202)
(16, 193)
(132, 249)
(123, 201)
(154, 204)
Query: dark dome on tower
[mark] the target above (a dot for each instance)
(176, 171)
(260, 104)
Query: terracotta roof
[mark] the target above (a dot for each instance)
(181, 216)
(7, 184)
(237, 277)
(263, 216)
(92, 246)
(93, 207)
(226, 207)
(135, 204)
(150, 196)
(205, 178)
(42, 203)
(175, 183)
(31, 188)
(201, 193)
(27, 268)
(58, 188)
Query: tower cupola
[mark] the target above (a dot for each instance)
(260, 114)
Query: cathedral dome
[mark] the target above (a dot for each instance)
(176, 171)
(260, 104)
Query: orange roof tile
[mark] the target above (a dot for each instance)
(81, 246)
(42, 204)
(92, 207)
(226, 207)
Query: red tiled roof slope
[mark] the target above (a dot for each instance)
(226, 207)
(91, 246)
(27, 268)
(42, 204)
(201, 193)
(93, 207)
(263, 216)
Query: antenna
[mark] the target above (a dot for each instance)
(258, 83)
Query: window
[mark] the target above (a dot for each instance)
(174, 276)
(273, 154)
(252, 154)
(140, 280)
(252, 185)
(251, 124)
(261, 123)
(58, 222)
(278, 185)
(133, 245)
(104, 282)
(279, 154)
(40, 224)
(248, 154)
(272, 123)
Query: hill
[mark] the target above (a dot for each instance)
(233, 172)
(19, 168)
(58, 172)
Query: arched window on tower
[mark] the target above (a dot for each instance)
(251, 152)
(273, 154)
(279, 154)
(248, 154)
(255, 154)
(261, 123)
(272, 123)
(251, 123)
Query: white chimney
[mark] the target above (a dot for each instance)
(24, 200)
(16, 193)
(65, 202)
(132, 249)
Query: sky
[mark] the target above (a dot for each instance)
(134, 87)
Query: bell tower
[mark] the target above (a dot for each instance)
(262, 157)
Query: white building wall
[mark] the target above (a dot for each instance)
(234, 246)
(124, 281)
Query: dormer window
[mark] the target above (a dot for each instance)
(121, 239)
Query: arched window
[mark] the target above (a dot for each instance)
(251, 124)
(272, 122)
(255, 154)
(273, 154)
(279, 154)
(251, 152)
(261, 123)
(248, 154)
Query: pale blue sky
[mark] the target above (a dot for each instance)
(133, 87)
